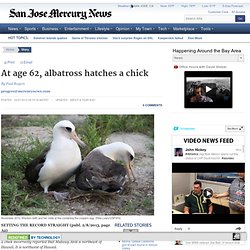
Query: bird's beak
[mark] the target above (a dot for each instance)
(75, 137)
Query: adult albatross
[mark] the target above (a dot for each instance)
(59, 161)
(106, 168)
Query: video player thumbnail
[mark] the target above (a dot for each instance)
(208, 89)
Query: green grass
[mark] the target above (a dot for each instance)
(131, 206)
(147, 203)
(18, 201)
(31, 120)
(97, 128)
(17, 197)
(8, 133)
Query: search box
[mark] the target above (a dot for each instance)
(207, 58)
(210, 18)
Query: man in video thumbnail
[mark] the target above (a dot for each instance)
(236, 194)
(208, 89)
(196, 202)
(178, 152)
(199, 96)
(178, 242)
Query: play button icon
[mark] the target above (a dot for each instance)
(208, 192)
(208, 89)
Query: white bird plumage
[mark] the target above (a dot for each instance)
(62, 159)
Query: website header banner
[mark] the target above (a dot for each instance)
(124, 13)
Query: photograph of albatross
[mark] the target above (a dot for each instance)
(59, 161)
(77, 164)
(103, 168)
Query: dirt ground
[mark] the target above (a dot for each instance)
(137, 197)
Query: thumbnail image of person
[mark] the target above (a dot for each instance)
(199, 95)
(196, 202)
(178, 152)
(236, 194)
(178, 242)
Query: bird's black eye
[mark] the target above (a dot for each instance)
(131, 157)
(68, 129)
